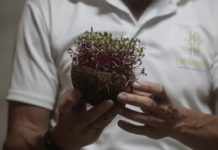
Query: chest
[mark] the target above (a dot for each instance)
(179, 48)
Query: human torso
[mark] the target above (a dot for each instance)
(179, 51)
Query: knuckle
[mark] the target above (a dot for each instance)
(152, 105)
(68, 100)
(161, 89)
(61, 109)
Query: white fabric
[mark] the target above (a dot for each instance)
(181, 54)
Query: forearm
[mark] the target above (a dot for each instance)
(24, 139)
(196, 130)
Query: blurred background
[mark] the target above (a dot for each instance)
(10, 12)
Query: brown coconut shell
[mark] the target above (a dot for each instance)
(97, 86)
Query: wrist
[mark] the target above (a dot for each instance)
(194, 129)
(57, 137)
(49, 142)
(180, 121)
(187, 123)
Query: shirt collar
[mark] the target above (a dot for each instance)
(120, 5)
(157, 9)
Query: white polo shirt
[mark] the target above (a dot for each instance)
(180, 38)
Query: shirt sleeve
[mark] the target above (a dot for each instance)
(34, 77)
(214, 68)
(214, 75)
(215, 82)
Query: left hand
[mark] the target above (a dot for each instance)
(159, 116)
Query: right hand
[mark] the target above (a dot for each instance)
(78, 127)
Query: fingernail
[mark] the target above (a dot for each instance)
(109, 102)
(122, 95)
(136, 84)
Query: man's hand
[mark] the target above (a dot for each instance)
(78, 127)
(159, 116)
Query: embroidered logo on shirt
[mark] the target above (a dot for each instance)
(192, 59)
(194, 41)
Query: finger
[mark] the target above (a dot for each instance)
(145, 103)
(142, 93)
(96, 112)
(149, 87)
(106, 118)
(135, 129)
(98, 126)
(72, 99)
(79, 108)
(140, 117)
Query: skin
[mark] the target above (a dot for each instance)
(137, 7)
(76, 127)
(27, 123)
(81, 127)
(160, 118)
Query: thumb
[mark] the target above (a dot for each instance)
(72, 99)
